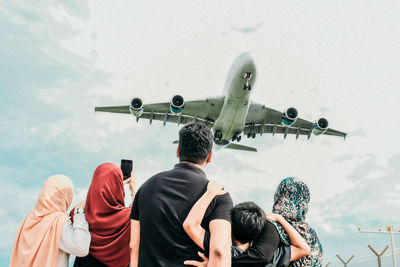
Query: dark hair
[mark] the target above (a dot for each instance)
(248, 220)
(195, 143)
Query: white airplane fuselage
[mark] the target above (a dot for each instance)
(238, 86)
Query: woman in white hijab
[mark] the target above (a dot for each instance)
(47, 235)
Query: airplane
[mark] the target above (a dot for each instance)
(231, 115)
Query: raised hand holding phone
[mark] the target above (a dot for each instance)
(127, 168)
(129, 176)
(132, 182)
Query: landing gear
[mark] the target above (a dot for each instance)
(218, 135)
(252, 135)
(236, 137)
(251, 132)
(247, 77)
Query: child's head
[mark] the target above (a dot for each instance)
(248, 220)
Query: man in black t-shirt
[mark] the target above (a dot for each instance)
(163, 202)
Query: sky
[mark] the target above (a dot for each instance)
(336, 59)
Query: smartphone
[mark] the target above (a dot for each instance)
(126, 167)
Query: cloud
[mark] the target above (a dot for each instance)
(367, 201)
(247, 30)
(32, 146)
(341, 158)
(370, 204)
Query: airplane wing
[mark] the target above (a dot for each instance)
(204, 111)
(261, 119)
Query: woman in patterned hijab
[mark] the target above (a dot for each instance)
(291, 201)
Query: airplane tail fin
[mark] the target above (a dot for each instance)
(241, 147)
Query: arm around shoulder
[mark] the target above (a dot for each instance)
(220, 232)
(220, 243)
(299, 247)
(192, 223)
(75, 238)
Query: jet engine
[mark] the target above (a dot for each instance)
(320, 126)
(177, 104)
(136, 107)
(289, 116)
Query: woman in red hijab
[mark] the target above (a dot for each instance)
(108, 218)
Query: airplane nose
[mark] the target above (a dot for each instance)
(245, 59)
(247, 62)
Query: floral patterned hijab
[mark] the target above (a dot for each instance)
(291, 201)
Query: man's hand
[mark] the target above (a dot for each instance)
(198, 263)
(273, 217)
(215, 188)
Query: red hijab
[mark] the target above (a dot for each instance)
(108, 218)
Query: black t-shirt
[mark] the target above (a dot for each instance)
(162, 204)
(88, 261)
(265, 251)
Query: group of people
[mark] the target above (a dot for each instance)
(178, 218)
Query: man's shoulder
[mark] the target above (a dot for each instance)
(149, 183)
(176, 173)
(168, 173)
(220, 208)
(159, 175)
(184, 171)
(225, 199)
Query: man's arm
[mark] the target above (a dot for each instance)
(220, 243)
(299, 247)
(192, 223)
(134, 243)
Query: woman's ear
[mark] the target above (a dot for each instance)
(177, 152)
